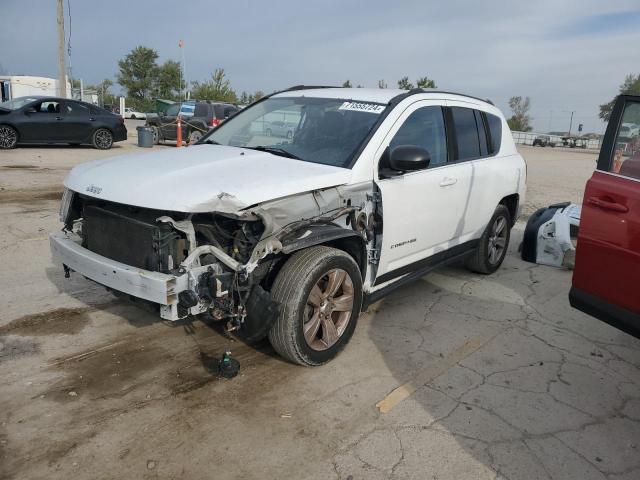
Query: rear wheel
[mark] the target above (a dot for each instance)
(320, 290)
(194, 137)
(102, 139)
(156, 135)
(133, 117)
(493, 244)
(8, 137)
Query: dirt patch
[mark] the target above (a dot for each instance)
(11, 348)
(67, 321)
(30, 195)
(108, 372)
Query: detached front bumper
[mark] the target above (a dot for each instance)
(155, 287)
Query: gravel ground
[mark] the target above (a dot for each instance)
(506, 381)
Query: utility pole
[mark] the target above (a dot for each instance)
(62, 78)
(570, 121)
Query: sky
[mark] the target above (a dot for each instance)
(566, 55)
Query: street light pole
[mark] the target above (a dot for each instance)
(62, 78)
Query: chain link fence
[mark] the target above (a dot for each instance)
(527, 138)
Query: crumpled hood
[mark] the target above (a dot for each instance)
(200, 178)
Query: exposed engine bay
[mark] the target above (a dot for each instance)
(223, 262)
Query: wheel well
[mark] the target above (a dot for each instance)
(353, 246)
(511, 202)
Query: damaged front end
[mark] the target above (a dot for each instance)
(219, 263)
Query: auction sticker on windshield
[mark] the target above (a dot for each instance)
(362, 107)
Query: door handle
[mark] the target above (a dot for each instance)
(92, 119)
(606, 204)
(447, 181)
(58, 118)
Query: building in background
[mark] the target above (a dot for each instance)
(13, 86)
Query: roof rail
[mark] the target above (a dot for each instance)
(414, 91)
(308, 87)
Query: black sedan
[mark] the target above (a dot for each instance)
(48, 120)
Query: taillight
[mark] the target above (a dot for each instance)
(215, 122)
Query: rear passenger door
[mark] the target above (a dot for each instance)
(78, 121)
(477, 147)
(422, 209)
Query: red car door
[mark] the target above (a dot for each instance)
(606, 278)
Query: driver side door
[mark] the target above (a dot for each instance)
(422, 210)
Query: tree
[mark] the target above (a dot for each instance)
(138, 73)
(405, 84)
(347, 84)
(169, 82)
(257, 95)
(106, 97)
(382, 84)
(217, 88)
(520, 120)
(631, 86)
(426, 82)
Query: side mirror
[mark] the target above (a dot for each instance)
(30, 110)
(408, 158)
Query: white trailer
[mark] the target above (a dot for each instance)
(14, 86)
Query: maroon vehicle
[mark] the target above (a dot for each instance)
(606, 278)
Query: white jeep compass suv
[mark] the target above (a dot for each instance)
(292, 238)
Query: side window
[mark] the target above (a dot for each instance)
(48, 107)
(495, 132)
(626, 156)
(484, 151)
(201, 110)
(173, 110)
(424, 128)
(76, 109)
(228, 111)
(464, 122)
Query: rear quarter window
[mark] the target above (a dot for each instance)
(495, 132)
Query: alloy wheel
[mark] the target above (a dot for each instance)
(104, 139)
(497, 240)
(8, 137)
(328, 310)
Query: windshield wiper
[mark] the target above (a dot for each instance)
(276, 151)
(211, 142)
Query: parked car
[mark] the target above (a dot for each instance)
(279, 129)
(544, 141)
(290, 240)
(206, 115)
(50, 120)
(607, 265)
(628, 130)
(133, 114)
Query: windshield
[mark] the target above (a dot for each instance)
(318, 130)
(17, 103)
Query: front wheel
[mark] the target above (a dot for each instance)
(493, 244)
(320, 292)
(102, 139)
(8, 137)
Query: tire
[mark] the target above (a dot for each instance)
(310, 270)
(8, 137)
(268, 132)
(485, 259)
(194, 137)
(102, 139)
(156, 135)
(132, 117)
